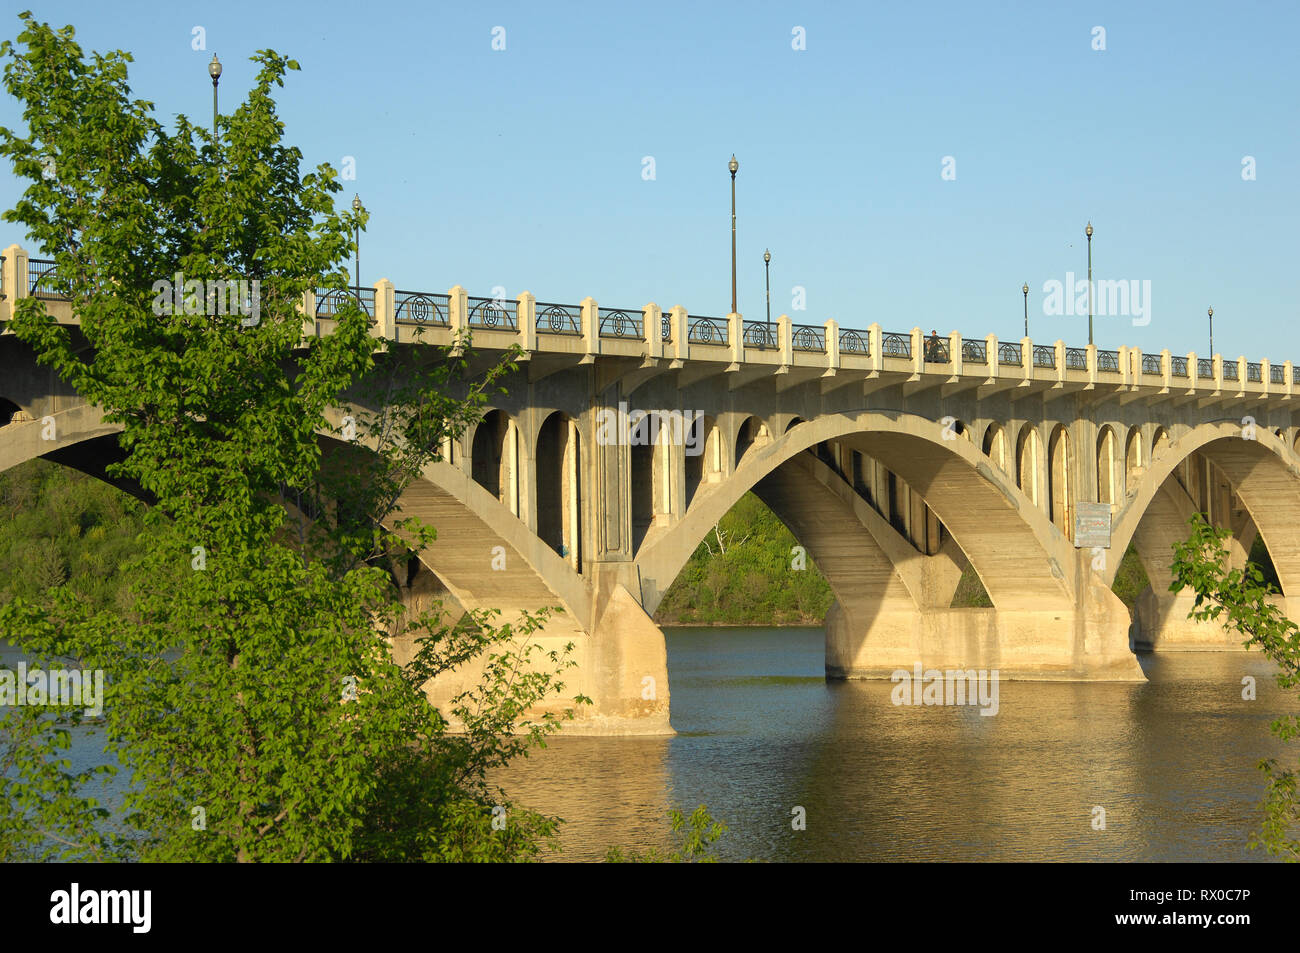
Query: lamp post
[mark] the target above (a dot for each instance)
(214, 70)
(1088, 231)
(767, 282)
(1025, 289)
(1210, 312)
(356, 207)
(733, 165)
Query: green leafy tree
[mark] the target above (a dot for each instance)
(251, 695)
(1244, 602)
(701, 831)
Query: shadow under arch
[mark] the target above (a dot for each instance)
(1020, 557)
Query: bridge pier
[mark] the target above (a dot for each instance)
(1087, 643)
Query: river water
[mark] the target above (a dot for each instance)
(760, 733)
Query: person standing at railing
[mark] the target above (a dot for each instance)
(933, 348)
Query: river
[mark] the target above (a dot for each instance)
(760, 733)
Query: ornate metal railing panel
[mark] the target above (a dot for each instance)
(1204, 369)
(1151, 364)
(1177, 367)
(896, 345)
(1108, 361)
(1229, 371)
(2, 277)
(1044, 356)
(418, 307)
(330, 301)
(40, 280)
(559, 318)
(760, 335)
(974, 352)
(1255, 372)
(807, 337)
(621, 323)
(1076, 359)
(855, 342)
(1277, 374)
(492, 314)
(937, 350)
(1295, 374)
(1010, 354)
(666, 327)
(706, 330)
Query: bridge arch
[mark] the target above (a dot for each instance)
(995, 446)
(493, 457)
(558, 469)
(1107, 463)
(1134, 460)
(1263, 472)
(1029, 456)
(753, 432)
(1019, 556)
(702, 461)
(1060, 481)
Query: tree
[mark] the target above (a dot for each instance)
(1241, 600)
(251, 694)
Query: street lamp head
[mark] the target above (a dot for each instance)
(214, 69)
(1025, 289)
(1088, 231)
(1210, 312)
(356, 203)
(733, 165)
(767, 256)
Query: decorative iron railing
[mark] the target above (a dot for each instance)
(1295, 374)
(937, 350)
(974, 352)
(492, 314)
(855, 342)
(559, 319)
(620, 323)
(331, 301)
(40, 280)
(418, 307)
(1076, 359)
(666, 327)
(1178, 367)
(1229, 371)
(2, 277)
(1108, 361)
(706, 330)
(1044, 356)
(1010, 354)
(1151, 364)
(759, 335)
(1255, 373)
(1204, 369)
(807, 337)
(896, 345)
(1277, 374)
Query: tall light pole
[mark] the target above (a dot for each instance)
(767, 281)
(1210, 312)
(733, 165)
(356, 207)
(1025, 289)
(214, 70)
(1088, 231)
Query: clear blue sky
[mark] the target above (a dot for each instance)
(523, 167)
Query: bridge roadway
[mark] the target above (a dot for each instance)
(897, 461)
